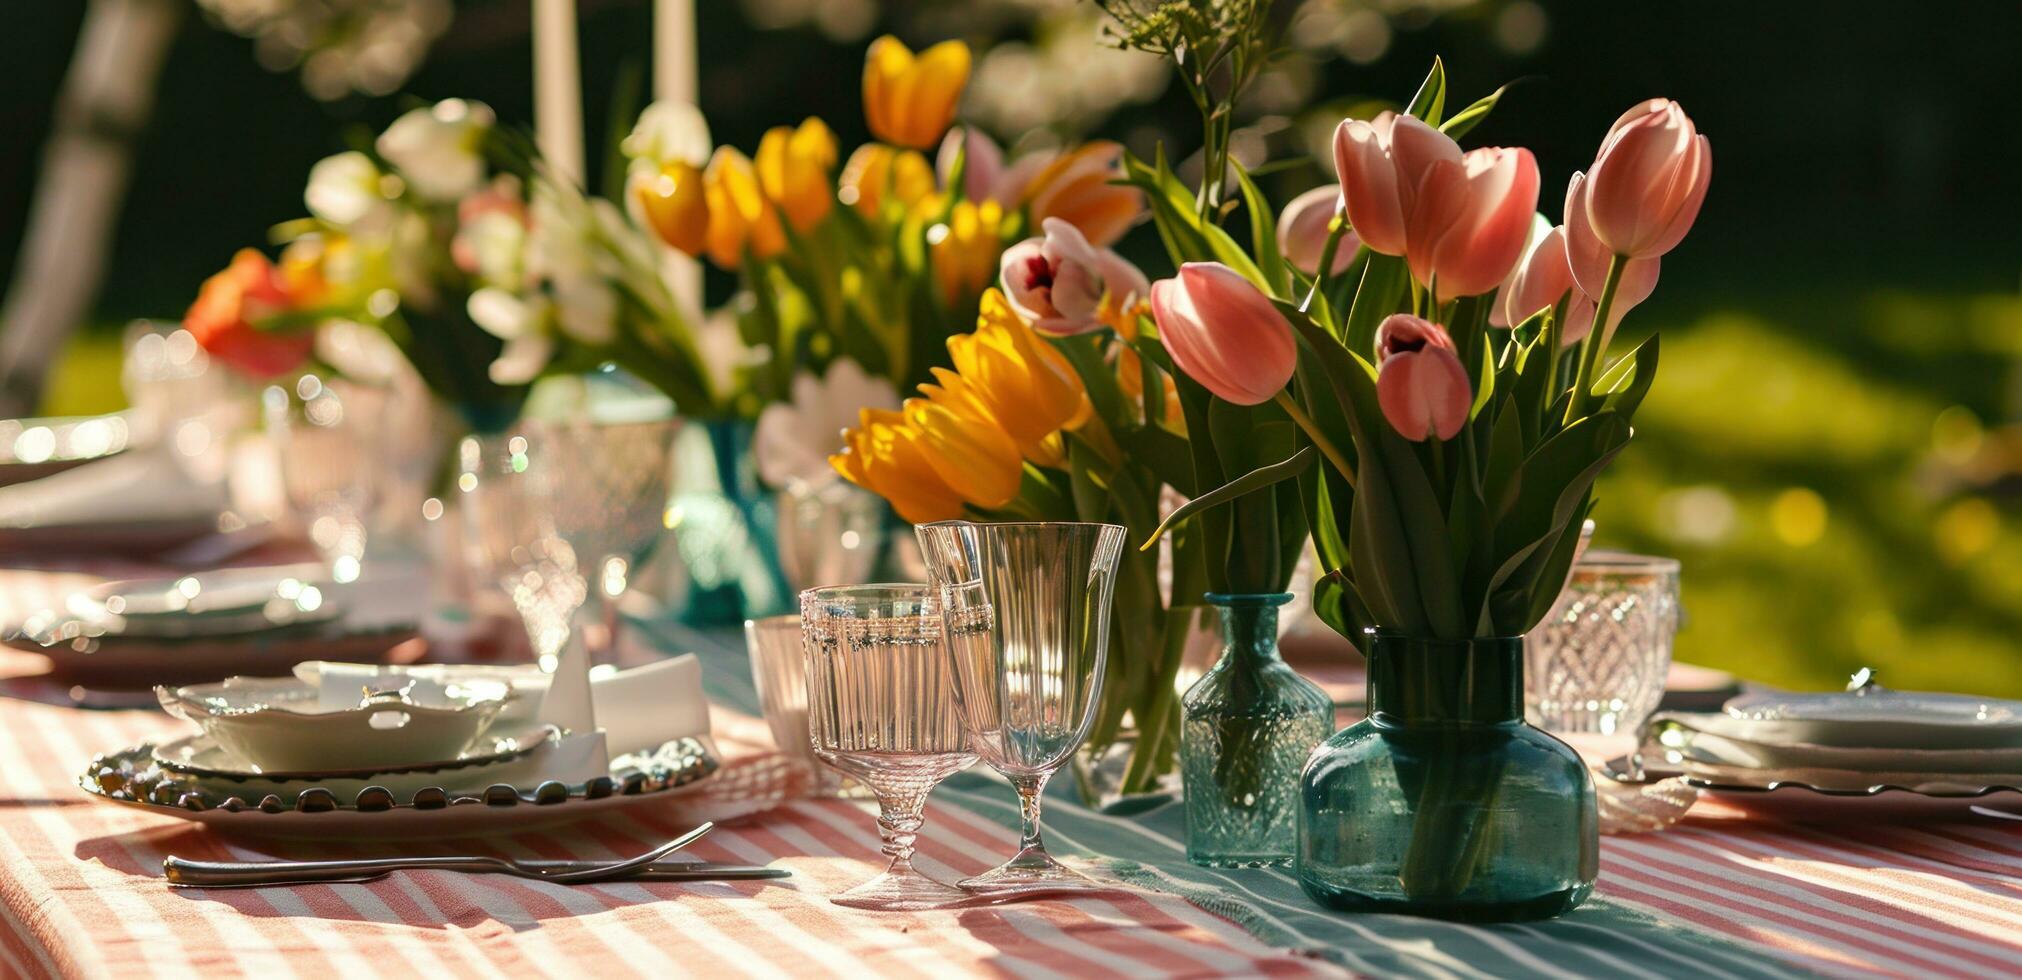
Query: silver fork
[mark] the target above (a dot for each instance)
(252, 874)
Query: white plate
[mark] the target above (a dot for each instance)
(1800, 802)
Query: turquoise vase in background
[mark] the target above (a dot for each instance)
(1444, 802)
(1248, 725)
(724, 525)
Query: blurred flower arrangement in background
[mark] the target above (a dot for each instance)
(340, 46)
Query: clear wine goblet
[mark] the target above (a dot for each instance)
(557, 509)
(1027, 613)
(881, 708)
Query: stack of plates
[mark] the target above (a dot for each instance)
(209, 625)
(284, 757)
(1869, 750)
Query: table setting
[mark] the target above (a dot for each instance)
(970, 592)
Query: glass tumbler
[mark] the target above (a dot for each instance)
(1028, 627)
(780, 676)
(881, 708)
(1598, 661)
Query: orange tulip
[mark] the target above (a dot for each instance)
(876, 173)
(793, 168)
(965, 251)
(233, 316)
(1076, 188)
(909, 101)
(965, 446)
(886, 455)
(676, 206)
(740, 217)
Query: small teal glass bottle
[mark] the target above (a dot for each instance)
(1247, 727)
(1443, 802)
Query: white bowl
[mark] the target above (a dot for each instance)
(283, 724)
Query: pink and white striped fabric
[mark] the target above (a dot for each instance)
(81, 895)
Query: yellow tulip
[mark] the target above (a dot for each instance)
(967, 247)
(910, 101)
(740, 218)
(676, 206)
(793, 168)
(966, 447)
(1079, 188)
(887, 456)
(876, 173)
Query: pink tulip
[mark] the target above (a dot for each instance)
(1420, 383)
(1472, 220)
(1588, 258)
(1303, 230)
(1538, 282)
(1648, 180)
(982, 167)
(1060, 283)
(1382, 164)
(1222, 332)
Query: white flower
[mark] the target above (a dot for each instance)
(439, 150)
(344, 191)
(794, 440)
(568, 252)
(522, 323)
(668, 131)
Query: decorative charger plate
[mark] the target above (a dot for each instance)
(395, 804)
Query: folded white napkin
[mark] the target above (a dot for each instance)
(131, 487)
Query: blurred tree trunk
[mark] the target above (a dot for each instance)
(107, 96)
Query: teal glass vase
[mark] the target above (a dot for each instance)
(1247, 727)
(1443, 802)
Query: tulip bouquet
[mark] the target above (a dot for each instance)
(1451, 385)
(486, 271)
(878, 262)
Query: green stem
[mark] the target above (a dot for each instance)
(1590, 348)
(1324, 275)
(1437, 449)
(1320, 440)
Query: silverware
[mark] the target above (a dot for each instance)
(248, 874)
(1991, 812)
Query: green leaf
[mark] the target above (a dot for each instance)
(1643, 361)
(1264, 234)
(1466, 119)
(1385, 281)
(1162, 451)
(1430, 101)
(1256, 479)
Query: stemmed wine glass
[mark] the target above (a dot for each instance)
(558, 508)
(1027, 613)
(881, 708)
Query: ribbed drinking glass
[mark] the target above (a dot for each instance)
(1028, 628)
(881, 708)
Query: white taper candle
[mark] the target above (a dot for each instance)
(558, 87)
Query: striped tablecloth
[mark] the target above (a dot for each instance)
(80, 893)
